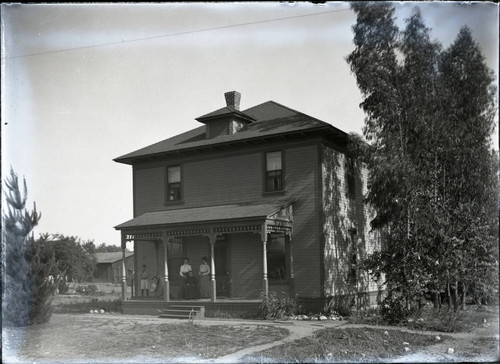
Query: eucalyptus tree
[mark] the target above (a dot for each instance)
(420, 117)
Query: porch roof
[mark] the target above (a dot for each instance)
(210, 214)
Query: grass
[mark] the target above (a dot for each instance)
(341, 345)
(84, 338)
(442, 320)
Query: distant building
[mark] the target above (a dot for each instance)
(109, 266)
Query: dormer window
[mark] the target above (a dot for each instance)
(274, 171)
(174, 192)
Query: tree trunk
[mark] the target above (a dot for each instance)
(455, 297)
(448, 291)
(464, 291)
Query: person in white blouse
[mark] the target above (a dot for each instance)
(184, 273)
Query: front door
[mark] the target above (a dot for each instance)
(222, 265)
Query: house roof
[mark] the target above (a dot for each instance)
(111, 257)
(225, 111)
(222, 213)
(271, 119)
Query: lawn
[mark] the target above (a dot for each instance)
(376, 345)
(113, 337)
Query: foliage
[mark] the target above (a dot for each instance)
(75, 259)
(275, 307)
(339, 305)
(87, 290)
(433, 175)
(103, 248)
(27, 291)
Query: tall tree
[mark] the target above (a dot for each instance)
(469, 184)
(414, 99)
(27, 291)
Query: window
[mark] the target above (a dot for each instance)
(350, 178)
(276, 257)
(274, 171)
(174, 184)
(175, 256)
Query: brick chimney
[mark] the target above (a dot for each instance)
(233, 100)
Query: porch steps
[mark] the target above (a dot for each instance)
(183, 312)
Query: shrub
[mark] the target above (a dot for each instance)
(88, 290)
(276, 307)
(394, 310)
(339, 305)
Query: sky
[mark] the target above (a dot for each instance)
(85, 83)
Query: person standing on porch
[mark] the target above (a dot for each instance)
(144, 281)
(184, 273)
(204, 273)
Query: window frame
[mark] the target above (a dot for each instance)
(264, 172)
(286, 279)
(167, 186)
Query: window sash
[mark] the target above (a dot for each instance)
(277, 266)
(274, 171)
(174, 183)
(273, 161)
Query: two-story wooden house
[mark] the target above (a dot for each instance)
(268, 195)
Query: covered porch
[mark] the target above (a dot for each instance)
(247, 246)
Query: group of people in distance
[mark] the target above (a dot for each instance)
(190, 288)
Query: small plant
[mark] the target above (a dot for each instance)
(88, 290)
(339, 305)
(219, 314)
(276, 307)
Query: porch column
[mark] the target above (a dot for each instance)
(265, 284)
(166, 283)
(212, 267)
(292, 276)
(124, 277)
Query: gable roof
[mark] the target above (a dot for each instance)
(272, 119)
(111, 257)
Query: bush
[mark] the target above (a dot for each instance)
(339, 305)
(88, 290)
(276, 307)
(394, 310)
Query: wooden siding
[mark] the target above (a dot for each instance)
(340, 214)
(228, 177)
(246, 265)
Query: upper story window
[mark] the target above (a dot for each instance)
(274, 171)
(174, 192)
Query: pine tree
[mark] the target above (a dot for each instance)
(26, 294)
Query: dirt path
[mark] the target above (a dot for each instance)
(297, 329)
